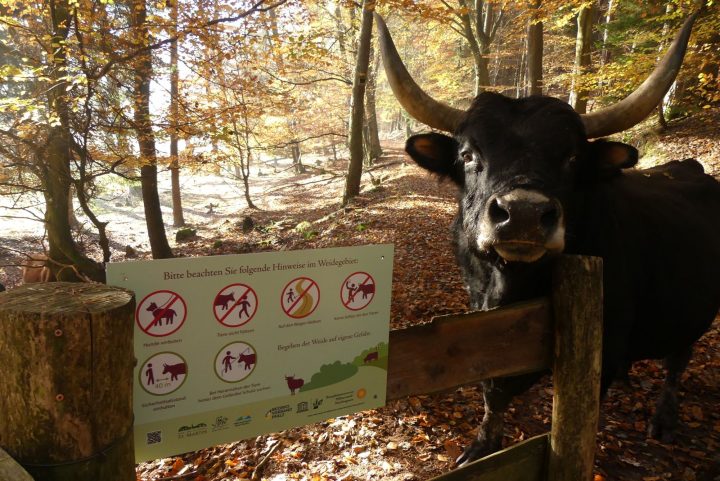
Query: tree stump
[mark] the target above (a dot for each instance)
(66, 377)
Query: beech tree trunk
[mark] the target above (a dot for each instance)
(479, 24)
(535, 53)
(583, 42)
(374, 149)
(667, 98)
(297, 158)
(146, 138)
(67, 260)
(178, 218)
(605, 53)
(72, 218)
(352, 181)
(66, 354)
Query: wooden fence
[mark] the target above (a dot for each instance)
(77, 426)
(563, 333)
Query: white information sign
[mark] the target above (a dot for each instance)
(229, 347)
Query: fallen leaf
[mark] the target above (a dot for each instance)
(177, 466)
(697, 413)
(452, 449)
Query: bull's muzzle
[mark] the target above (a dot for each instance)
(522, 225)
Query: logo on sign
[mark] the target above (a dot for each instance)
(243, 421)
(278, 412)
(189, 430)
(220, 423)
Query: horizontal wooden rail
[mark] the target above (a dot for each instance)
(524, 461)
(454, 350)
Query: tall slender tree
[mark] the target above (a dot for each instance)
(178, 217)
(479, 22)
(583, 42)
(372, 136)
(143, 72)
(57, 155)
(535, 50)
(352, 181)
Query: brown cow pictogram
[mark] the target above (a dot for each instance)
(294, 383)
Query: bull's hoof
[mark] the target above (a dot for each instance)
(662, 430)
(476, 450)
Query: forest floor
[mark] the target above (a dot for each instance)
(419, 437)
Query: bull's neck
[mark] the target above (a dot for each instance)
(515, 282)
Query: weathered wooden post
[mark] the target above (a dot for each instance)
(577, 302)
(66, 368)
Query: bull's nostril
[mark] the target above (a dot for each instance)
(549, 217)
(497, 213)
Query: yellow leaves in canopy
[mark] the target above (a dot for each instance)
(708, 88)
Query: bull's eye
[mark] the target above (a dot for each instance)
(467, 156)
(570, 161)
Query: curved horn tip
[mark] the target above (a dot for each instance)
(640, 103)
(412, 98)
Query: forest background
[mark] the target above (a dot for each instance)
(98, 93)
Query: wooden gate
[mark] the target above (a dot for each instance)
(563, 333)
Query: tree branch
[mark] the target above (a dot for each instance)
(154, 46)
(309, 82)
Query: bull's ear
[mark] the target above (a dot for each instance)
(610, 157)
(436, 153)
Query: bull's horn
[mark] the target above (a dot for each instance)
(638, 105)
(413, 99)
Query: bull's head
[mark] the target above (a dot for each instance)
(516, 161)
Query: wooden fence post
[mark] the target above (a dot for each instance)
(577, 302)
(66, 377)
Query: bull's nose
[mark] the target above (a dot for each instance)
(499, 211)
(524, 215)
(522, 226)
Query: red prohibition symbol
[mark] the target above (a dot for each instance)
(357, 291)
(300, 297)
(235, 305)
(161, 313)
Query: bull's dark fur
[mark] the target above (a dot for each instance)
(657, 230)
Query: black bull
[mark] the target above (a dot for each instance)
(531, 186)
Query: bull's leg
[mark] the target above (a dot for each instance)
(497, 394)
(665, 420)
